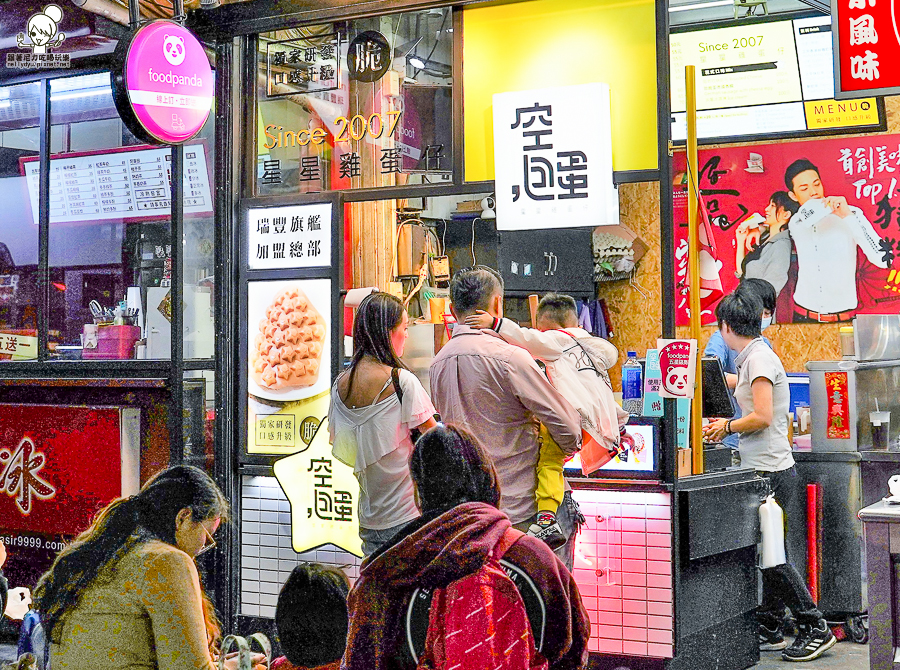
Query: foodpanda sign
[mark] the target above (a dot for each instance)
(163, 84)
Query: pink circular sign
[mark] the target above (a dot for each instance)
(169, 81)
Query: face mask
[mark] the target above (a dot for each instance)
(765, 323)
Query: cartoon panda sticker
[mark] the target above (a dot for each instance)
(173, 49)
(43, 31)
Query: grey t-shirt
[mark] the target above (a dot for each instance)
(768, 449)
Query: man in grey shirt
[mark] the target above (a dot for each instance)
(497, 392)
(763, 395)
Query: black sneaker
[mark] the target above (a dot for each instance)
(810, 643)
(547, 529)
(771, 640)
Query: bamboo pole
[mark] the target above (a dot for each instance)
(694, 264)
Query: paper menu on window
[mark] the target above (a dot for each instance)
(120, 185)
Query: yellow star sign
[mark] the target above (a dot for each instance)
(324, 494)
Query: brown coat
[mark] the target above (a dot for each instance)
(149, 615)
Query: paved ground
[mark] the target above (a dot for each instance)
(843, 656)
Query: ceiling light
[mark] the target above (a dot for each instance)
(417, 62)
(701, 5)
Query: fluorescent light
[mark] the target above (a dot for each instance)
(84, 93)
(701, 5)
(417, 62)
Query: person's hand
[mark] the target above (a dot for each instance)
(838, 205)
(715, 430)
(480, 319)
(257, 661)
(2, 554)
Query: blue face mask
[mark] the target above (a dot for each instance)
(765, 323)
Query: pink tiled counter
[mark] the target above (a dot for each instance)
(623, 567)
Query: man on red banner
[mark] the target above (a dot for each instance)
(826, 232)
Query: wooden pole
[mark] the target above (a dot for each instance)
(694, 264)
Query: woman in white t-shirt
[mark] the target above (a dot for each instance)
(370, 426)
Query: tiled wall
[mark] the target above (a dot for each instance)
(266, 554)
(623, 568)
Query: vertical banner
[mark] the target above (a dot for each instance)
(683, 423)
(866, 47)
(552, 168)
(838, 411)
(653, 405)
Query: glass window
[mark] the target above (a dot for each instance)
(19, 145)
(356, 105)
(110, 240)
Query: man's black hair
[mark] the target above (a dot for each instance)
(311, 615)
(559, 308)
(761, 290)
(473, 288)
(742, 311)
(795, 168)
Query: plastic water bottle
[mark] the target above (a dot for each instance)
(632, 385)
(771, 523)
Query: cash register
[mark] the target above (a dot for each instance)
(716, 405)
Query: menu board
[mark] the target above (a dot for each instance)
(120, 185)
(763, 78)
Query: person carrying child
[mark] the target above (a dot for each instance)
(576, 364)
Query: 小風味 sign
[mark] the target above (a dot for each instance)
(866, 48)
(163, 83)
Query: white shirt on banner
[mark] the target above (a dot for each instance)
(826, 256)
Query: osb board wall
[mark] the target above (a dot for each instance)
(637, 318)
(635, 310)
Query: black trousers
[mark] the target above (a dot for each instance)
(782, 585)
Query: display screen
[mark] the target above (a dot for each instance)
(763, 78)
(638, 453)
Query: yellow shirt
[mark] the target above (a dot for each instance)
(150, 615)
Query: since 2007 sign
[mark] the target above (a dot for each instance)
(162, 83)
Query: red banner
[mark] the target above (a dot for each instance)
(867, 47)
(838, 417)
(827, 242)
(58, 466)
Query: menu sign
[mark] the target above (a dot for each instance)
(121, 185)
(763, 78)
(297, 236)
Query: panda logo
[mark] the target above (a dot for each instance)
(173, 49)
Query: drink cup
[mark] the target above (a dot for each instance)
(881, 429)
(436, 305)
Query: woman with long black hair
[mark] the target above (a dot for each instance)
(375, 406)
(126, 593)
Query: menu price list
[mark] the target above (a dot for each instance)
(130, 184)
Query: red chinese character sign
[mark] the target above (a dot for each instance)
(838, 414)
(324, 495)
(162, 84)
(58, 466)
(866, 47)
(820, 221)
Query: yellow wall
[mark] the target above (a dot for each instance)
(545, 43)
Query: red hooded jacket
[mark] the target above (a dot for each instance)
(431, 553)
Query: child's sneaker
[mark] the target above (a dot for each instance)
(547, 528)
(771, 639)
